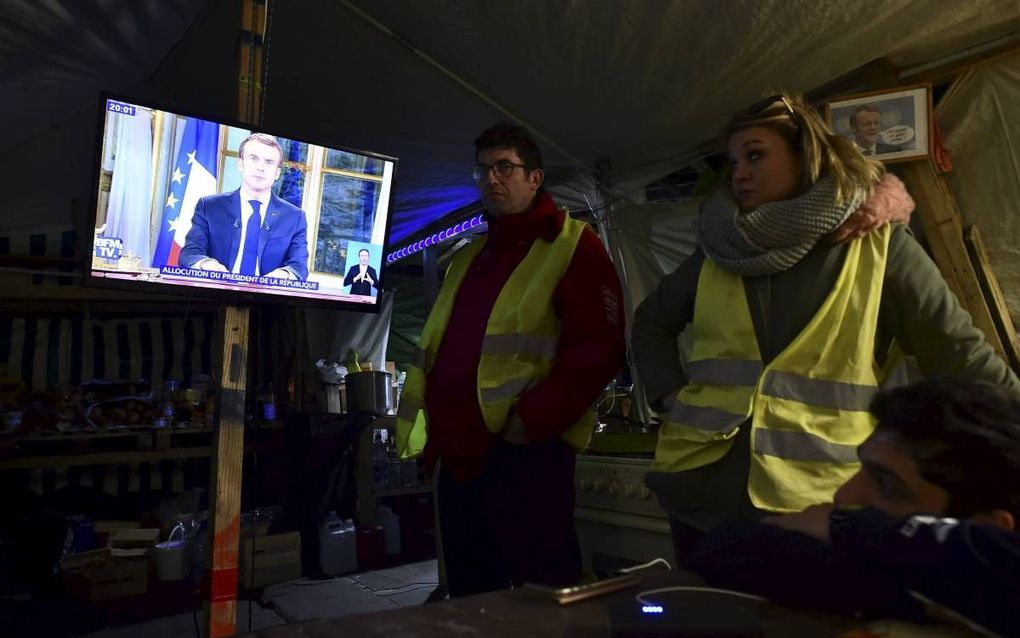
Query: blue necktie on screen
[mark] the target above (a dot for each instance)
(251, 239)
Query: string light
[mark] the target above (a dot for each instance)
(436, 238)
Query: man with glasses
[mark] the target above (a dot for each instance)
(526, 332)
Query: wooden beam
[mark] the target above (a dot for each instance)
(961, 63)
(228, 440)
(227, 459)
(250, 60)
(993, 294)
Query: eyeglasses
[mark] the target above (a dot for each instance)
(502, 168)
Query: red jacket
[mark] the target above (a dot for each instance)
(588, 302)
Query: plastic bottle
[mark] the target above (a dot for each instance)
(401, 377)
(379, 461)
(352, 364)
(390, 523)
(338, 549)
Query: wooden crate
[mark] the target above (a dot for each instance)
(132, 543)
(277, 558)
(96, 576)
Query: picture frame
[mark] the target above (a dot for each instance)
(893, 125)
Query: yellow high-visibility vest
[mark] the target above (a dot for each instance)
(519, 345)
(808, 408)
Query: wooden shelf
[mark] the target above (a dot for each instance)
(154, 445)
(419, 489)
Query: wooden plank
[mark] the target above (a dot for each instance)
(228, 441)
(958, 66)
(117, 458)
(993, 295)
(102, 458)
(225, 491)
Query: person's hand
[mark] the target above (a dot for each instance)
(814, 521)
(861, 222)
(514, 431)
(211, 264)
(368, 280)
(888, 204)
(358, 278)
(279, 273)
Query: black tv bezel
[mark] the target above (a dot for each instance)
(227, 295)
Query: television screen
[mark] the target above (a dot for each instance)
(184, 202)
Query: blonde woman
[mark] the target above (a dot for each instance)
(805, 278)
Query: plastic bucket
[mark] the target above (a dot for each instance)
(173, 560)
(369, 392)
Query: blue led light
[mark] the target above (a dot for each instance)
(652, 609)
(436, 238)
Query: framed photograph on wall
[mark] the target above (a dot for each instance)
(892, 125)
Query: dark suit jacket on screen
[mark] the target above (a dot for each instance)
(362, 287)
(216, 233)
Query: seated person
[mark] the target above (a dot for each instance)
(250, 231)
(887, 546)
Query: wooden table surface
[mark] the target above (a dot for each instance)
(516, 613)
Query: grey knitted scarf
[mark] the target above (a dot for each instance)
(774, 236)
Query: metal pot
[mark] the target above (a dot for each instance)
(369, 392)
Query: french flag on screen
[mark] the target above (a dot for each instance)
(194, 177)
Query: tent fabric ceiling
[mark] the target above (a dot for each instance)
(636, 84)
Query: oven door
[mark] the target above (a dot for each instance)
(619, 523)
(611, 540)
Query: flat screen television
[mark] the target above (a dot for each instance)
(188, 204)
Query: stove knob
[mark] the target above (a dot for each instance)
(629, 489)
(612, 488)
(644, 492)
(582, 485)
(597, 485)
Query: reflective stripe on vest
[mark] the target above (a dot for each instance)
(520, 341)
(724, 372)
(419, 359)
(536, 346)
(706, 418)
(508, 390)
(830, 394)
(802, 446)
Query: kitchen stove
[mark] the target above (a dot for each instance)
(618, 519)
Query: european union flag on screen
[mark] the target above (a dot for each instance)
(193, 177)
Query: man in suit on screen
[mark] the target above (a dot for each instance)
(250, 231)
(361, 277)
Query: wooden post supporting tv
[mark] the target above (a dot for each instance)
(227, 459)
(220, 618)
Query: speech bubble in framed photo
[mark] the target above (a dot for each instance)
(892, 125)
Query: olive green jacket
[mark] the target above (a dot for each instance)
(918, 310)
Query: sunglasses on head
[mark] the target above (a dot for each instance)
(764, 105)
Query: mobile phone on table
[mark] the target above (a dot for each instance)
(567, 595)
